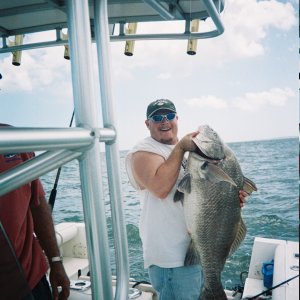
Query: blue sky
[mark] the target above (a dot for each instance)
(243, 83)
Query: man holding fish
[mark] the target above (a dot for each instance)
(155, 167)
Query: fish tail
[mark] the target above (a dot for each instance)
(213, 294)
(191, 257)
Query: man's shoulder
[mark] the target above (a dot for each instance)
(148, 144)
(152, 147)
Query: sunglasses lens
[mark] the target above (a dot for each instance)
(171, 116)
(157, 118)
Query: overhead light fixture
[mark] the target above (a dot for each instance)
(192, 43)
(64, 36)
(16, 55)
(129, 46)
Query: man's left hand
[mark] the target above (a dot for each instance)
(58, 277)
(243, 198)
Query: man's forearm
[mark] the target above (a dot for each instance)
(44, 229)
(169, 171)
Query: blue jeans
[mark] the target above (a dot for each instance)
(182, 283)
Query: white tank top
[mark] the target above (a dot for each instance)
(163, 230)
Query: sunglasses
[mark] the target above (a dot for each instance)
(160, 118)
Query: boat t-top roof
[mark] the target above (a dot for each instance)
(20, 17)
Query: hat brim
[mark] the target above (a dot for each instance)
(161, 108)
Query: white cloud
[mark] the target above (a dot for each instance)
(255, 101)
(207, 102)
(246, 26)
(38, 69)
(164, 76)
(276, 97)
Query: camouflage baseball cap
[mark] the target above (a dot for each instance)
(160, 104)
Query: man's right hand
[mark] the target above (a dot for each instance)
(186, 143)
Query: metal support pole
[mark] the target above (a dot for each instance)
(86, 110)
(111, 149)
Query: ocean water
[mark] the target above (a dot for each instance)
(271, 212)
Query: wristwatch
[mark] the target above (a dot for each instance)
(56, 259)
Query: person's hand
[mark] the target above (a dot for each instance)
(58, 277)
(243, 198)
(186, 143)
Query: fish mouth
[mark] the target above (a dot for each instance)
(199, 152)
(204, 146)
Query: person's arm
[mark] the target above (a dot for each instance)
(44, 230)
(157, 175)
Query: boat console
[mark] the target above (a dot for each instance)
(286, 266)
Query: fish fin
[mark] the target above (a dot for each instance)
(178, 196)
(214, 174)
(249, 186)
(184, 186)
(240, 235)
(191, 257)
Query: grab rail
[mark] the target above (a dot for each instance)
(34, 168)
(18, 140)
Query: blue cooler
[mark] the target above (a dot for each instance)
(267, 271)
